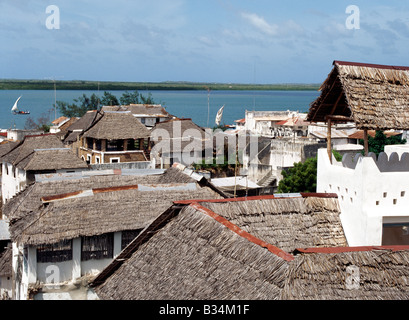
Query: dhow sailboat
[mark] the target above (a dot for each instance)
(15, 110)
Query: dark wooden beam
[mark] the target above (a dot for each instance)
(338, 118)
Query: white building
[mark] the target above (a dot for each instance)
(33, 155)
(70, 228)
(373, 196)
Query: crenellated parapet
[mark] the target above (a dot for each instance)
(385, 163)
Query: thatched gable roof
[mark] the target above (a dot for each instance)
(86, 121)
(209, 237)
(382, 273)
(6, 269)
(99, 212)
(287, 223)
(178, 128)
(103, 205)
(7, 146)
(117, 126)
(141, 110)
(81, 125)
(191, 254)
(55, 159)
(27, 155)
(156, 110)
(373, 96)
(29, 200)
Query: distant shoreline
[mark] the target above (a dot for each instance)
(17, 84)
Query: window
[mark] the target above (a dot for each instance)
(115, 145)
(97, 247)
(97, 159)
(90, 143)
(115, 160)
(131, 145)
(143, 120)
(395, 234)
(58, 252)
(98, 145)
(128, 236)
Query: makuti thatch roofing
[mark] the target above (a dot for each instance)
(221, 249)
(117, 126)
(7, 146)
(43, 152)
(55, 159)
(287, 223)
(373, 96)
(178, 128)
(366, 273)
(141, 110)
(191, 253)
(29, 200)
(122, 205)
(81, 125)
(179, 135)
(6, 263)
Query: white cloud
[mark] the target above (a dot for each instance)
(260, 23)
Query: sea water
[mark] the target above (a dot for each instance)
(200, 106)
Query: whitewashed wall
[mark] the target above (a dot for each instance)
(369, 191)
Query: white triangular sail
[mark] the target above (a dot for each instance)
(15, 109)
(219, 115)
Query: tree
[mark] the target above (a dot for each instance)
(109, 99)
(129, 98)
(378, 143)
(42, 123)
(301, 178)
(80, 106)
(84, 103)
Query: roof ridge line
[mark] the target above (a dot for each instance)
(244, 234)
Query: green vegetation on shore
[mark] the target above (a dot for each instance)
(19, 84)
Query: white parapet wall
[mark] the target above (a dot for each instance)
(370, 192)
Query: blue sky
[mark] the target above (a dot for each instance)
(238, 41)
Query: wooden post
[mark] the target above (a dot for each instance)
(366, 147)
(329, 140)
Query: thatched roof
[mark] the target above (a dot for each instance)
(178, 128)
(86, 121)
(142, 110)
(220, 249)
(102, 205)
(55, 159)
(179, 135)
(381, 274)
(287, 223)
(6, 263)
(189, 254)
(192, 252)
(43, 152)
(81, 125)
(29, 200)
(117, 126)
(6, 147)
(373, 96)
